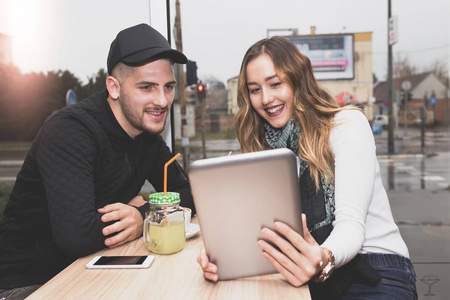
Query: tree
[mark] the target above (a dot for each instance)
(402, 67)
(26, 100)
(9, 76)
(214, 83)
(58, 84)
(95, 84)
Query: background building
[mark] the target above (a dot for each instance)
(426, 90)
(232, 84)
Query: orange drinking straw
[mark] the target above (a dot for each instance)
(165, 172)
(165, 185)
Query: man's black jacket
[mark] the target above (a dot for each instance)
(81, 160)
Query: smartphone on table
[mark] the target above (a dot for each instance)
(121, 262)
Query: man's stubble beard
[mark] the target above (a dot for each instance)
(137, 121)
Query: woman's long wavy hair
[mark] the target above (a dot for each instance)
(313, 107)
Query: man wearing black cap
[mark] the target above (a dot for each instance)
(77, 189)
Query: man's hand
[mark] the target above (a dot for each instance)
(127, 220)
(137, 201)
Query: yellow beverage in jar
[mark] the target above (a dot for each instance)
(165, 239)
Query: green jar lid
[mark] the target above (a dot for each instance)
(169, 198)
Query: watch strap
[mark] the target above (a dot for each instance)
(327, 270)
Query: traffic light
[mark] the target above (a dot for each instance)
(201, 91)
(191, 73)
(408, 97)
(403, 97)
(400, 98)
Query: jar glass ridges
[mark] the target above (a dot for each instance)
(164, 229)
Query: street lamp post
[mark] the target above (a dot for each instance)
(406, 85)
(390, 100)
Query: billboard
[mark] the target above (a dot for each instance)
(331, 55)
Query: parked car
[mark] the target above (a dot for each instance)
(382, 120)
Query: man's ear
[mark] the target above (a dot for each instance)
(113, 86)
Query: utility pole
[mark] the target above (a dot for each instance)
(390, 100)
(423, 115)
(446, 101)
(182, 89)
(201, 95)
(405, 115)
(203, 127)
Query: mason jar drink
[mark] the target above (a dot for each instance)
(164, 228)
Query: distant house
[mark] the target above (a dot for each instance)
(424, 86)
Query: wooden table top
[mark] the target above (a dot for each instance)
(175, 276)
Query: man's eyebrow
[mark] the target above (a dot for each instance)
(266, 79)
(154, 83)
(147, 83)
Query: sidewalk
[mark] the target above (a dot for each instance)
(423, 217)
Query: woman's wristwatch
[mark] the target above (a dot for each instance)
(329, 268)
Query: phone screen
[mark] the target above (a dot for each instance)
(120, 260)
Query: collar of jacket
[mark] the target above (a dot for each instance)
(105, 116)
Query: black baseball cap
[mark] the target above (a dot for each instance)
(139, 44)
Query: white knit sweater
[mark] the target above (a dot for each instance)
(364, 222)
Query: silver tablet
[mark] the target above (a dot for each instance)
(235, 196)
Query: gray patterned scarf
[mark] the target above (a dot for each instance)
(288, 137)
